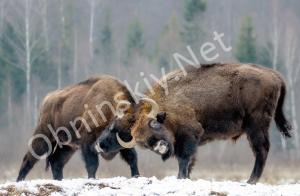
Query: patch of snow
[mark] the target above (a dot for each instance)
(147, 186)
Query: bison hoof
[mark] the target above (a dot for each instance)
(251, 181)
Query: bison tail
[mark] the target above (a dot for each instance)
(282, 124)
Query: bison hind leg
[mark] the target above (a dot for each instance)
(27, 164)
(39, 147)
(258, 137)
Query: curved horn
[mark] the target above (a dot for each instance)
(124, 144)
(120, 110)
(154, 107)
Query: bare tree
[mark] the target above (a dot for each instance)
(75, 60)
(91, 35)
(45, 23)
(59, 68)
(3, 5)
(24, 23)
(275, 32)
(28, 57)
(9, 104)
(293, 72)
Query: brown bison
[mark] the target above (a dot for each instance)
(212, 102)
(75, 117)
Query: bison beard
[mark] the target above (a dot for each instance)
(213, 102)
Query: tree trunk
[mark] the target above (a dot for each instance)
(91, 36)
(9, 106)
(75, 61)
(60, 63)
(2, 10)
(291, 68)
(35, 107)
(294, 119)
(275, 35)
(28, 62)
(45, 24)
(59, 68)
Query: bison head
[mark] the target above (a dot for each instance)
(117, 135)
(150, 129)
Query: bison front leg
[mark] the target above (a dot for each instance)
(191, 165)
(185, 150)
(91, 160)
(130, 156)
(183, 164)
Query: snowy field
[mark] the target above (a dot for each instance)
(143, 186)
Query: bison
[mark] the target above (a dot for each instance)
(74, 118)
(211, 102)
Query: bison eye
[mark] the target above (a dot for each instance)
(154, 124)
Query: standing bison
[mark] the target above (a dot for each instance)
(213, 102)
(75, 117)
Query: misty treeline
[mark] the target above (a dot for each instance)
(49, 44)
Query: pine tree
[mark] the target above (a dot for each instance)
(246, 44)
(169, 42)
(264, 56)
(10, 66)
(135, 41)
(191, 33)
(106, 42)
(43, 66)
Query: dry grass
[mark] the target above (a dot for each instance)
(43, 190)
(215, 193)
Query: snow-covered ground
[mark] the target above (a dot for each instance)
(143, 186)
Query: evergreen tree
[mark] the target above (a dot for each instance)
(10, 66)
(135, 41)
(43, 66)
(264, 56)
(169, 42)
(106, 42)
(246, 44)
(67, 41)
(191, 28)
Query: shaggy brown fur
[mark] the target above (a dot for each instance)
(61, 107)
(221, 101)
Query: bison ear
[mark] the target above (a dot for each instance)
(161, 117)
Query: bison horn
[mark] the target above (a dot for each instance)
(124, 144)
(122, 106)
(154, 107)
